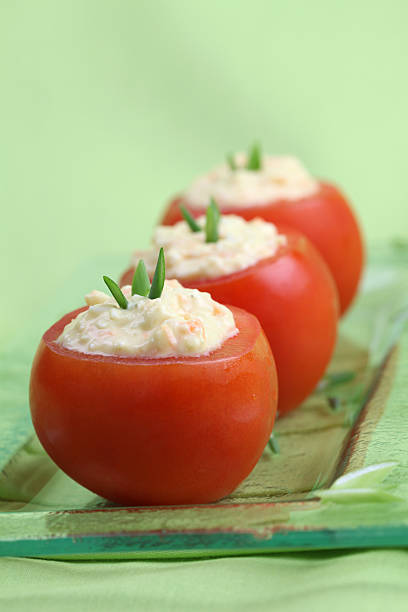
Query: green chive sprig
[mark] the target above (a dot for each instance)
(116, 292)
(212, 219)
(192, 223)
(273, 444)
(254, 158)
(141, 281)
(158, 278)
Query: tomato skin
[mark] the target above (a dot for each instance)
(295, 300)
(156, 431)
(325, 218)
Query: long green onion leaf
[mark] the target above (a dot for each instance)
(254, 158)
(158, 278)
(116, 292)
(211, 222)
(192, 223)
(141, 281)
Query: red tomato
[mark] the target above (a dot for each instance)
(324, 217)
(294, 297)
(156, 431)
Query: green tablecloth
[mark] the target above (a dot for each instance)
(358, 581)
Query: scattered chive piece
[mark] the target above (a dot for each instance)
(273, 444)
(341, 377)
(141, 281)
(334, 402)
(337, 378)
(231, 161)
(317, 483)
(192, 223)
(211, 222)
(254, 158)
(158, 278)
(116, 292)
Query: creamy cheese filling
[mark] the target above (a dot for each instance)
(241, 244)
(280, 178)
(182, 322)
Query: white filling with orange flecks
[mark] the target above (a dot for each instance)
(280, 178)
(188, 256)
(182, 322)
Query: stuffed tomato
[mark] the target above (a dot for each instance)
(280, 190)
(163, 423)
(277, 275)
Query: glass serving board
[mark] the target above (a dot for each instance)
(354, 419)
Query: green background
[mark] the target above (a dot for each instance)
(108, 107)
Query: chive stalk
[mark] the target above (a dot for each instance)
(211, 222)
(254, 158)
(158, 278)
(141, 281)
(212, 219)
(254, 161)
(273, 444)
(192, 223)
(116, 292)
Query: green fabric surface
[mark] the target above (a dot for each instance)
(107, 108)
(360, 581)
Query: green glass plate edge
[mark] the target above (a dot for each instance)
(195, 544)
